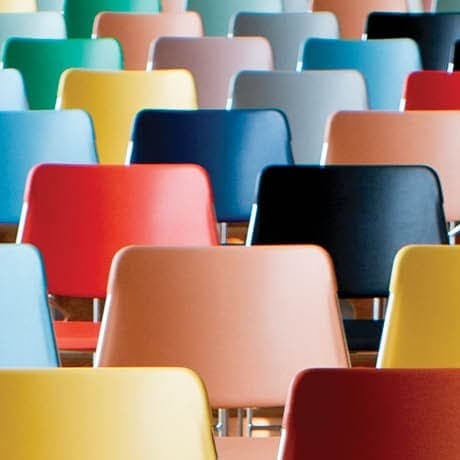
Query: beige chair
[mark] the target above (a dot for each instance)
(213, 62)
(136, 31)
(173, 6)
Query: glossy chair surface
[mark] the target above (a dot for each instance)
(113, 99)
(443, 6)
(18, 6)
(12, 91)
(213, 61)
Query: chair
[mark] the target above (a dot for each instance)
(173, 6)
(307, 98)
(285, 32)
(201, 310)
(352, 18)
(232, 145)
(422, 325)
(105, 413)
(416, 409)
(33, 137)
(42, 61)
(50, 5)
(79, 14)
(213, 61)
(446, 6)
(384, 64)
(296, 6)
(18, 6)
(435, 33)
(12, 91)
(217, 15)
(100, 209)
(113, 98)
(362, 215)
(135, 32)
(416, 137)
(26, 330)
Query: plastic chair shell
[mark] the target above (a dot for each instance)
(18, 6)
(12, 91)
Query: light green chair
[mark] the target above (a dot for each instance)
(444, 6)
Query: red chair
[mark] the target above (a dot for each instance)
(80, 216)
(432, 90)
(362, 414)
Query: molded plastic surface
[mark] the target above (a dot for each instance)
(442, 6)
(18, 6)
(12, 91)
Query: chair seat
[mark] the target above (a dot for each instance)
(239, 448)
(76, 335)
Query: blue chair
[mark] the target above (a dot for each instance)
(42, 136)
(383, 63)
(12, 90)
(233, 146)
(26, 330)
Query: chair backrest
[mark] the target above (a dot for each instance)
(435, 33)
(232, 145)
(205, 314)
(416, 409)
(285, 32)
(18, 6)
(217, 15)
(26, 331)
(12, 91)
(135, 32)
(422, 323)
(384, 64)
(362, 215)
(42, 61)
(417, 137)
(105, 413)
(213, 61)
(442, 6)
(40, 136)
(307, 99)
(113, 99)
(100, 209)
(79, 14)
(173, 6)
(352, 17)
(50, 5)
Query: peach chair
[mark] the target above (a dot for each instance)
(213, 62)
(247, 319)
(135, 32)
(113, 99)
(416, 137)
(173, 6)
(353, 16)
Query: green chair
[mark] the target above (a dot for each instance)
(79, 14)
(41, 62)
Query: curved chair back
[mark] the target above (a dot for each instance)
(307, 99)
(12, 91)
(422, 324)
(352, 17)
(105, 413)
(113, 98)
(417, 137)
(232, 145)
(435, 33)
(384, 64)
(135, 32)
(417, 409)
(286, 32)
(26, 330)
(18, 6)
(213, 61)
(173, 6)
(42, 61)
(443, 6)
(33, 137)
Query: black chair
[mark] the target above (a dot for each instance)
(435, 33)
(455, 60)
(361, 214)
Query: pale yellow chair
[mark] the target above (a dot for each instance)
(422, 324)
(113, 98)
(18, 6)
(102, 414)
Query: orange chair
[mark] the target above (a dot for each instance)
(79, 216)
(135, 32)
(361, 414)
(213, 61)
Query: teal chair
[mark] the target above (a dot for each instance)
(79, 14)
(384, 64)
(26, 330)
(216, 14)
(12, 90)
(444, 6)
(42, 61)
(41, 136)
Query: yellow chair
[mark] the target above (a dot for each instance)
(422, 325)
(18, 6)
(113, 98)
(102, 414)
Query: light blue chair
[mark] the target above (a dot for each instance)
(383, 63)
(26, 330)
(12, 90)
(43, 136)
